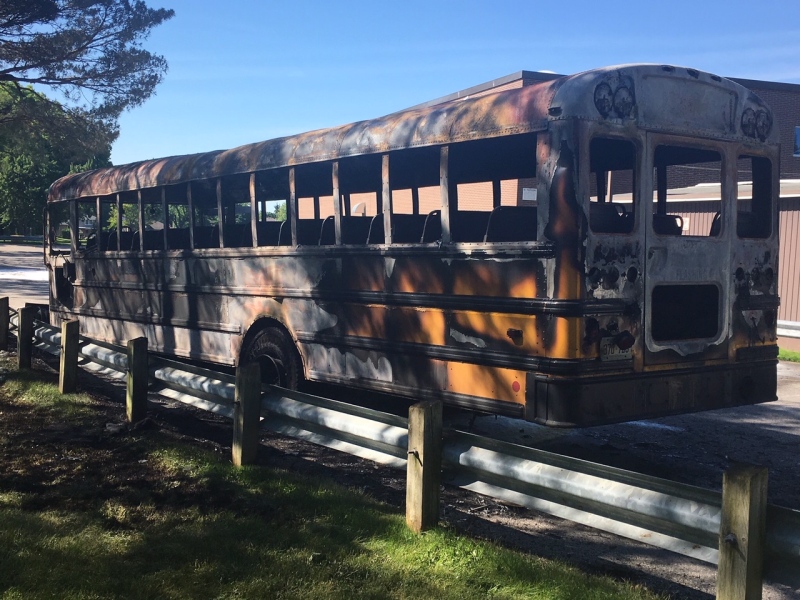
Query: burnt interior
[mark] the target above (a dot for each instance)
(684, 312)
(219, 212)
(678, 171)
(613, 164)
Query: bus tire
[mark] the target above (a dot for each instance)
(274, 350)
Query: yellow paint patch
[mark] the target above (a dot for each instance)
(416, 277)
(487, 382)
(494, 328)
(567, 338)
(364, 321)
(523, 288)
(494, 278)
(421, 326)
(475, 278)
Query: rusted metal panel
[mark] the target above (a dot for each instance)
(337, 204)
(515, 111)
(220, 213)
(386, 195)
(665, 98)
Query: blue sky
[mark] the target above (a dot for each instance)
(242, 71)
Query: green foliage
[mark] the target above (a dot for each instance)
(130, 216)
(178, 216)
(280, 212)
(277, 212)
(44, 143)
(90, 50)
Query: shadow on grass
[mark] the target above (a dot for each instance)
(251, 533)
(82, 523)
(86, 512)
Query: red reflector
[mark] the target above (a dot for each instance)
(515, 386)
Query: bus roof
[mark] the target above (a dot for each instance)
(650, 92)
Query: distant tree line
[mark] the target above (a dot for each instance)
(89, 51)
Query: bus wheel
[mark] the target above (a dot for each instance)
(274, 351)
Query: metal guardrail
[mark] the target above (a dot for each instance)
(364, 432)
(681, 518)
(677, 517)
(788, 329)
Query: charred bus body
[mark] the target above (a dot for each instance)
(598, 302)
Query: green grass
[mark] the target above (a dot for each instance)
(85, 514)
(789, 355)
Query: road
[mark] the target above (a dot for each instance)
(23, 277)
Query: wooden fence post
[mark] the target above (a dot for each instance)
(742, 533)
(424, 471)
(25, 337)
(136, 394)
(246, 414)
(68, 369)
(4, 316)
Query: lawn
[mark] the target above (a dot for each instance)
(789, 355)
(87, 511)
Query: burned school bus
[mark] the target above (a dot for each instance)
(399, 255)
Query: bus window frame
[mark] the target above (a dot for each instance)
(724, 149)
(448, 197)
(383, 198)
(639, 175)
(748, 152)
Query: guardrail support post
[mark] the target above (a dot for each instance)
(424, 470)
(742, 533)
(4, 323)
(246, 414)
(136, 394)
(25, 337)
(68, 368)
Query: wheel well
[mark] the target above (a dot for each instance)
(260, 325)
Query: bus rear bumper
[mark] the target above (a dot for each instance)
(599, 400)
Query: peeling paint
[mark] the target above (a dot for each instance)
(308, 315)
(467, 339)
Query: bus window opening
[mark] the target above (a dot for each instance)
(754, 211)
(611, 202)
(687, 192)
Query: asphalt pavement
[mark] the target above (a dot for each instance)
(23, 277)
